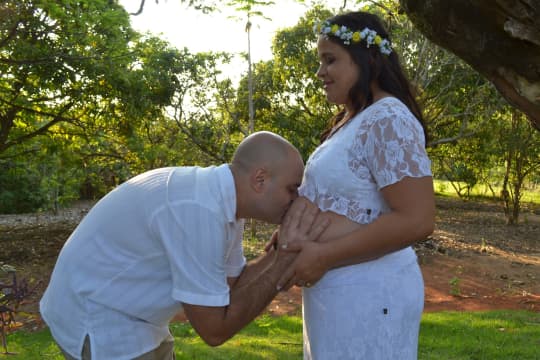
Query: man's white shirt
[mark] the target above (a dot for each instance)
(164, 237)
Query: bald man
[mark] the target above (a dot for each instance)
(171, 239)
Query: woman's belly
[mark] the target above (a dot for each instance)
(339, 225)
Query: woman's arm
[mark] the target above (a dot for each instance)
(412, 218)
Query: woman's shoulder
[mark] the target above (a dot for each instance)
(386, 106)
(387, 110)
(391, 116)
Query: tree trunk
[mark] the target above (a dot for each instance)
(499, 38)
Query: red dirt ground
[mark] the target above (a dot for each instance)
(473, 261)
(478, 287)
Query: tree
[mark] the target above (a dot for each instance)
(500, 40)
(49, 62)
(248, 7)
(72, 63)
(75, 84)
(297, 106)
(520, 156)
(206, 108)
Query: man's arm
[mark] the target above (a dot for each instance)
(252, 292)
(257, 284)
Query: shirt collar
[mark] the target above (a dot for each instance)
(228, 191)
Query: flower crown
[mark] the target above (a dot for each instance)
(342, 32)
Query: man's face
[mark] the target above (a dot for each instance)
(282, 189)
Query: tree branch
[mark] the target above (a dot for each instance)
(141, 7)
(40, 131)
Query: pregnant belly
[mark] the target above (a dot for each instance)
(339, 225)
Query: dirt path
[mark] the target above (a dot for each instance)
(483, 282)
(473, 261)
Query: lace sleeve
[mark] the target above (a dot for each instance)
(395, 149)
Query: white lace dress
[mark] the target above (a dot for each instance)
(371, 310)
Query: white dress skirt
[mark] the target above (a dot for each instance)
(369, 311)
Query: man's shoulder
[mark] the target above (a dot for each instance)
(202, 185)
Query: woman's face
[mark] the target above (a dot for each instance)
(337, 71)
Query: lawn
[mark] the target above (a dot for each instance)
(444, 187)
(446, 335)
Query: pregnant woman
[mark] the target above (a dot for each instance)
(363, 289)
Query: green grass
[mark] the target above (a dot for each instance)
(481, 191)
(480, 335)
(266, 338)
(30, 346)
(489, 335)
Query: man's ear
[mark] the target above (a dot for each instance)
(258, 179)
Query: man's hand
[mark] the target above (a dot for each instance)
(273, 242)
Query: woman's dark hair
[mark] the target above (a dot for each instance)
(373, 65)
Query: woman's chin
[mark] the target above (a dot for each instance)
(332, 99)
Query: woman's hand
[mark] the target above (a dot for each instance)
(309, 266)
(301, 223)
(301, 226)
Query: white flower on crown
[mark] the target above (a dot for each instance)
(342, 32)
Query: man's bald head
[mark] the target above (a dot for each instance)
(262, 149)
(267, 171)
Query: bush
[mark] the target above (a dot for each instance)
(20, 189)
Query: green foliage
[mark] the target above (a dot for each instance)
(88, 103)
(461, 173)
(455, 286)
(58, 60)
(519, 150)
(20, 189)
(297, 106)
(83, 97)
(207, 113)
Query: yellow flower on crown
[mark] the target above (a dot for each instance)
(347, 35)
